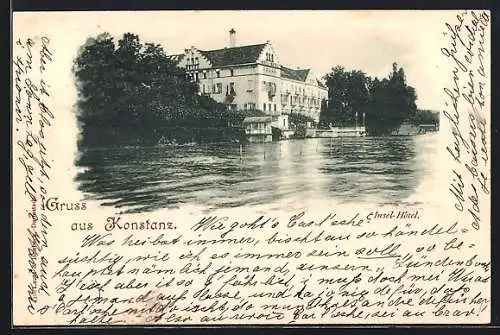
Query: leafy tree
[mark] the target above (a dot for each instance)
(130, 89)
(296, 119)
(423, 116)
(347, 94)
(386, 102)
(391, 102)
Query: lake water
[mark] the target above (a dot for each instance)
(375, 170)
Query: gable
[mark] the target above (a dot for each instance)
(268, 54)
(193, 59)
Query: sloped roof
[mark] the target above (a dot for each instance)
(320, 84)
(233, 56)
(299, 75)
(255, 119)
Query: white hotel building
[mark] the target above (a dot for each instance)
(252, 77)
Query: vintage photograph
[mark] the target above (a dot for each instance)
(237, 114)
(190, 168)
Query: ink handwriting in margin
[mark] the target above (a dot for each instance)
(32, 120)
(466, 111)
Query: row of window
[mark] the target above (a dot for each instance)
(296, 99)
(265, 107)
(249, 105)
(265, 85)
(269, 69)
(204, 73)
(269, 57)
(257, 126)
(268, 106)
(217, 88)
(292, 88)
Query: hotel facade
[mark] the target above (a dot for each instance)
(252, 77)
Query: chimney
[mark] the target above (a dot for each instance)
(232, 38)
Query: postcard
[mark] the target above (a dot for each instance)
(205, 168)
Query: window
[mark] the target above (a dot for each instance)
(203, 90)
(269, 107)
(218, 88)
(245, 106)
(272, 58)
(275, 107)
(231, 72)
(218, 73)
(231, 88)
(264, 106)
(250, 85)
(204, 75)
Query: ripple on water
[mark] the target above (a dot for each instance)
(354, 170)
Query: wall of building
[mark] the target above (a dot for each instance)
(302, 98)
(243, 80)
(251, 85)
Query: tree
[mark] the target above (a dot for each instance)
(132, 89)
(424, 116)
(347, 95)
(391, 102)
(386, 103)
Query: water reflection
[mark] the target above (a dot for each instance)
(373, 170)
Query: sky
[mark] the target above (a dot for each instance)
(364, 40)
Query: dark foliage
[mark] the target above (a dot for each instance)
(132, 92)
(386, 103)
(423, 116)
(296, 120)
